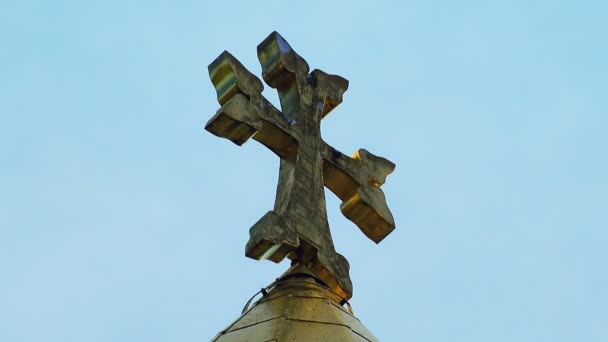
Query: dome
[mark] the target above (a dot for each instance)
(297, 307)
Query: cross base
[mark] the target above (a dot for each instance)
(272, 238)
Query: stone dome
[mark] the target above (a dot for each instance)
(297, 307)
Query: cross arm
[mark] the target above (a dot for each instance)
(281, 64)
(329, 90)
(245, 113)
(357, 181)
(286, 71)
(230, 77)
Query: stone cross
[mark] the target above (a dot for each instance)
(297, 227)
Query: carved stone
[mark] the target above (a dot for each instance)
(297, 227)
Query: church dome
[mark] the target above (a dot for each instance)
(297, 307)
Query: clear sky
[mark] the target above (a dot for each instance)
(121, 219)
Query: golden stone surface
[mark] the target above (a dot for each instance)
(296, 308)
(297, 227)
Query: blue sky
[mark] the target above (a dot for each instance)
(121, 219)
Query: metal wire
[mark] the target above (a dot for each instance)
(264, 291)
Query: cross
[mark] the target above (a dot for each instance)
(297, 227)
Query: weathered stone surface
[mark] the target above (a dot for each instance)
(297, 227)
(297, 308)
